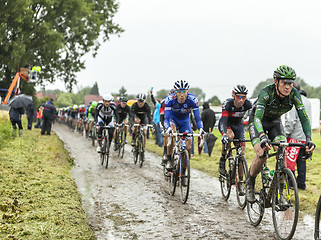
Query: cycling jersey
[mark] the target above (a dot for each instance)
(142, 113)
(269, 107)
(232, 116)
(121, 113)
(105, 114)
(180, 112)
(91, 112)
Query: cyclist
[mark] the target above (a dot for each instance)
(104, 116)
(121, 114)
(141, 114)
(74, 115)
(178, 107)
(230, 124)
(265, 124)
(91, 116)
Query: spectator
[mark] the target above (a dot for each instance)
(157, 123)
(208, 119)
(39, 117)
(30, 111)
(15, 118)
(48, 116)
(294, 133)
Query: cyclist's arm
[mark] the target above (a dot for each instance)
(259, 111)
(303, 116)
(167, 113)
(224, 118)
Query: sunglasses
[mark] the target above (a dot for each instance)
(181, 91)
(240, 97)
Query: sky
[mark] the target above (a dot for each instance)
(214, 45)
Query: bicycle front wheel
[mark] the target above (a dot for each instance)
(102, 152)
(122, 144)
(106, 150)
(135, 150)
(141, 151)
(317, 221)
(285, 212)
(185, 176)
(225, 181)
(240, 181)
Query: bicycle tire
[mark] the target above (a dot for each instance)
(107, 149)
(255, 211)
(102, 154)
(184, 180)
(225, 182)
(317, 221)
(93, 136)
(122, 145)
(135, 150)
(285, 218)
(141, 151)
(241, 195)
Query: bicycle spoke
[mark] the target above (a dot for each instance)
(285, 206)
(185, 176)
(225, 181)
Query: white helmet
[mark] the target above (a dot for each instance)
(108, 97)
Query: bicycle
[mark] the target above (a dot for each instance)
(268, 192)
(181, 172)
(120, 140)
(232, 177)
(105, 146)
(317, 221)
(93, 134)
(139, 148)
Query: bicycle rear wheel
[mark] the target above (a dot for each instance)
(255, 211)
(141, 151)
(240, 183)
(285, 215)
(225, 181)
(106, 149)
(317, 221)
(185, 177)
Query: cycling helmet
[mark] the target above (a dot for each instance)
(108, 97)
(285, 73)
(181, 85)
(94, 104)
(82, 106)
(239, 89)
(75, 107)
(141, 97)
(124, 99)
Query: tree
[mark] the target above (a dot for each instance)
(260, 86)
(198, 93)
(54, 35)
(161, 93)
(214, 100)
(122, 92)
(95, 90)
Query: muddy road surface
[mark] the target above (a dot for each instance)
(128, 202)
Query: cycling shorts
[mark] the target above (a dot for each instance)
(183, 125)
(274, 130)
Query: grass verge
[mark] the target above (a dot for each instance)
(38, 197)
(209, 165)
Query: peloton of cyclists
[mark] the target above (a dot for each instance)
(230, 124)
(178, 107)
(265, 124)
(141, 114)
(104, 116)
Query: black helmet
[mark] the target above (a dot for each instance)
(124, 99)
(285, 73)
(141, 97)
(239, 89)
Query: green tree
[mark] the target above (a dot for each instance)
(54, 35)
(198, 93)
(214, 100)
(123, 92)
(161, 93)
(261, 85)
(95, 90)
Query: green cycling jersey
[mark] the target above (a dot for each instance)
(270, 106)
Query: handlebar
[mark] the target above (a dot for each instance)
(282, 144)
(184, 135)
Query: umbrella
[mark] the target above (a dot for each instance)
(210, 141)
(200, 148)
(21, 100)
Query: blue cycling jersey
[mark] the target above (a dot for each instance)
(181, 111)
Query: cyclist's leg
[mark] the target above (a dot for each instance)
(238, 131)
(99, 134)
(185, 127)
(169, 160)
(145, 122)
(136, 121)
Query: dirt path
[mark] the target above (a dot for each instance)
(128, 202)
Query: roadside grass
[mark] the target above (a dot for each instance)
(209, 165)
(38, 197)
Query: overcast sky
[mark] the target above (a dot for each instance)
(214, 45)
